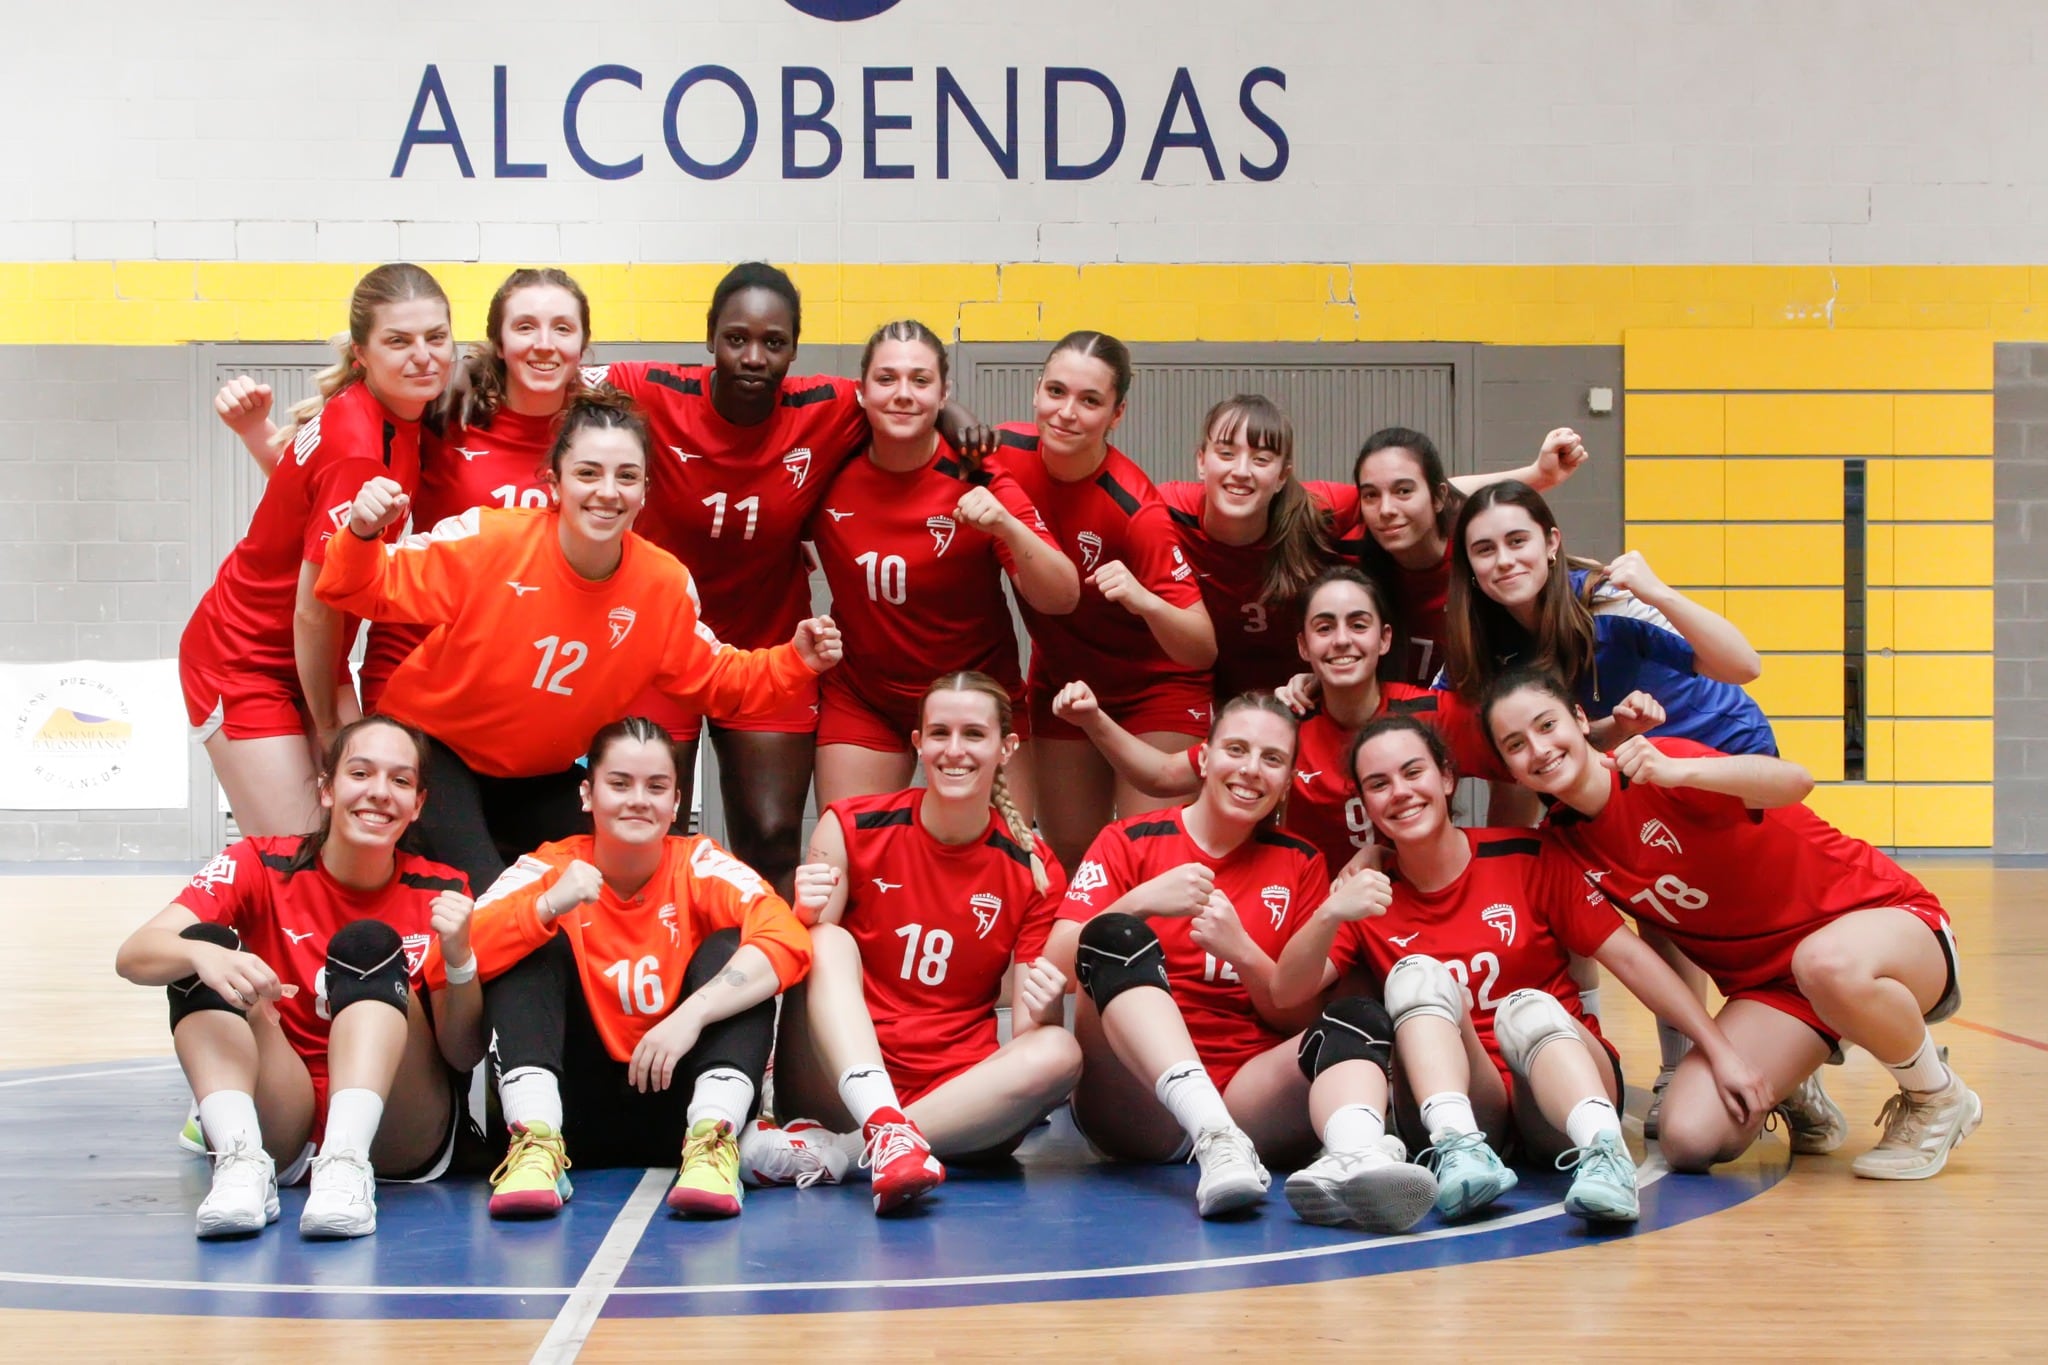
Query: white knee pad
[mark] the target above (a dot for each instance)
(1526, 1023)
(1423, 985)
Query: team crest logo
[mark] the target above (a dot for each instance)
(942, 529)
(218, 873)
(1276, 899)
(307, 439)
(338, 514)
(798, 463)
(621, 621)
(1091, 548)
(667, 916)
(1181, 568)
(415, 946)
(1656, 834)
(596, 375)
(987, 909)
(1502, 918)
(1593, 892)
(1088, 877)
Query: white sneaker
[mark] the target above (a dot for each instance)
(342, 1198)
(1376, 1189)
(1919, 1130)
(244, 1194)
(802, 1153)
(1814, 1124)
(1232, 1177)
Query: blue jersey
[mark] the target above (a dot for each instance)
(1635, 649)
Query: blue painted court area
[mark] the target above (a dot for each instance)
(96, 1208)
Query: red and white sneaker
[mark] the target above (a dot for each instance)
(899, 1160)
(802, 1152)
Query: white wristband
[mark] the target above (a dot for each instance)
(463, 975)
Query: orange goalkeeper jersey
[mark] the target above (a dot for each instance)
(529, 658)
(631, 953)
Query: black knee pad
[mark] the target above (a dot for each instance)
(365, 961)
(1354, 1029)
(1118, 953)
(191, 996)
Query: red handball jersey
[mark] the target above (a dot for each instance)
(1735, 888)
(1255, 640)
(497, 464)
(916, 594)
(245, 619)
(1490, 927)
(1273, 879)
(732, 502)
(287, 922)
(1116, 515)
(1420, 596)
(939, 926)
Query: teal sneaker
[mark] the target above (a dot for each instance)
(1468, 1174)
(1604, 1185)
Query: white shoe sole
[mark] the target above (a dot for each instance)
(1932, 1168)
(1239, 1193)
(1392, 1199)
(337, 1227)
(235, 1222)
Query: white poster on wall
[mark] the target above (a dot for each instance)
(93, 736)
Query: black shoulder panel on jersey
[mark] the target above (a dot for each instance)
(803, 398)
(1009, 848)
(1508, 848)
(1122, 496)
(390, 435)
(420, 881)
(1017, 440)
(954, 469)
(1413, 706)
(1151, 829)
(1181, 518)
(882, 819)
(1280, 838)
(669, 379)
(277, 862)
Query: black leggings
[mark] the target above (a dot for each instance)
(479, 825)
(541, 1019)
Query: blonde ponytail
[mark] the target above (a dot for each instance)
(1020, 828)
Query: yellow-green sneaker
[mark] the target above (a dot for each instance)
(708, 1185)
(533, 1179)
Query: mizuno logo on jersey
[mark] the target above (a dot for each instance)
(883, 888)
(987, 910)
(416, 952)
(798, 463)
(296, 937)
(836, 514)
(1657, 835)
(1502, 918)
(1199, 712)
(1277, 899)
(620, 619)
(667, 916)
(942, 533)
(1091, 548)
(306, 439)
(521, 589)
(218, 873)
(1404, 940)
(1309, 776)
(684, 455)
(1088, 877)
(466, 453)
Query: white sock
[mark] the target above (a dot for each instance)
(531, 1094)
(1589, 1000)
(865, 1088)
(1923, 1072)
(1354, 1128)
(352, 1119)
(1589, 1119)
(1449, 1112)
(720, 1093)
(1671, 1046)
(1192, 1098)
(228, 1117)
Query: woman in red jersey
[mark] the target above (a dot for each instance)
(743, 451)
(550, 621)
(631, 981)
(1477, 990)
(1140, 636)
(263, 661)
(1343, 637)
(915, 540)
(924, 901)
(295, 966)
(1170, 926)
(1813, 937)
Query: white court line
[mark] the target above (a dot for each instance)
(89, 1075)
(564, 1341)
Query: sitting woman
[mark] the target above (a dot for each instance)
(924, 901)
(295, 965)
(632, 980)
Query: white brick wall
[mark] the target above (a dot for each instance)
(1469, 130)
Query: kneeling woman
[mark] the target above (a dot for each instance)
(924, 900)
(295, 966)
(1814, 937)
(1170, 926)
(1486, 1022)
(632, 976)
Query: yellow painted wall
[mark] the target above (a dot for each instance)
(1734, 476)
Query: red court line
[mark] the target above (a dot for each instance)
(2001, 1033)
